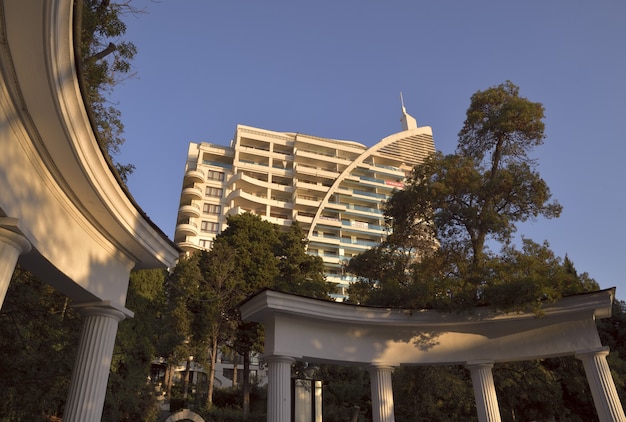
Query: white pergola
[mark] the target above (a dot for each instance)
(318, 331)
(63, 212)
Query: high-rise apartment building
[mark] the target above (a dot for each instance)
(334, 189)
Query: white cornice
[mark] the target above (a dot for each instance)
(258, 308)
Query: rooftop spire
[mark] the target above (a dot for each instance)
(408, 121)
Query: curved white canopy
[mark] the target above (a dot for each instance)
(315, 330)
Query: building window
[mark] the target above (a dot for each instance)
(209, 227)
(216, 192)
(215, 175)
(206, 244)
(212, 209)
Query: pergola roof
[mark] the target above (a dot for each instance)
(322, 331)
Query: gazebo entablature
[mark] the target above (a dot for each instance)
(311, 330)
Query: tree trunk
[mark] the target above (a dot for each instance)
(235, 372)
(213, 354)
(246, 383)
(186, 382)
(168, 380)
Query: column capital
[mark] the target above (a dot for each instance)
(380, 367)
(103, 308)
(479, 364)
(278, 358)
(12, 245)
(598, 351)
(17, 240)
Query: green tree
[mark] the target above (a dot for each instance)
(202, 294)
(218, 294)
(181, 290)
(433, 393)
(129, 396)
(255, 242)
(38, 341)
(298, 272)
(346, 391)
(105, 60)
(453, 207)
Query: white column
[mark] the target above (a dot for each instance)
(600, 381)
(93, 362)
(279, 388)
(12, 245)
(484, 391)
(382, 393)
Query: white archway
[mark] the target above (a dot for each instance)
(300, 328)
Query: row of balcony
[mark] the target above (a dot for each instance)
(322, 240)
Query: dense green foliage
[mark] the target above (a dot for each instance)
(249, 255)
(129, 396)
(38, 341)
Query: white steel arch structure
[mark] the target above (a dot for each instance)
(63, 211)
(313, 330)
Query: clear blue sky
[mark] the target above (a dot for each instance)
(335, 68)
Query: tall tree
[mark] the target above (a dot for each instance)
(181, 301)
(218, 294)
(255, 242)
(266, 258)
(453, 207)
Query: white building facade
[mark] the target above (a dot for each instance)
(334, 189)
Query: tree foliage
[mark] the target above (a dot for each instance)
(38, 341)
(249, 255)
(456, 207)
(105, 60)
(129, 396)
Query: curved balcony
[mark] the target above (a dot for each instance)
(192, 192)
(189, 210)
(194, 176)
(239, 194)
(189, 247)
(187, 229)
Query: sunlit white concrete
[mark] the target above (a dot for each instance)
(320, 331)
(484, 391)
(279, 388)
(382, 393)
(93, 362)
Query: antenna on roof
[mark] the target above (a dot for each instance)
(408, 121)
